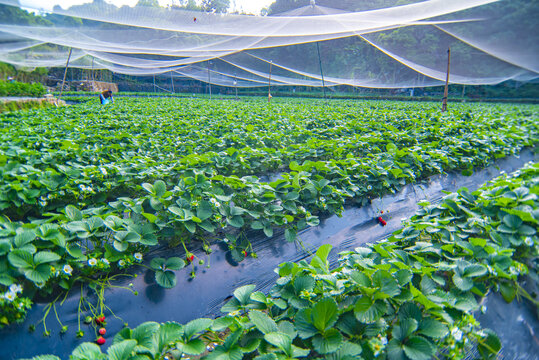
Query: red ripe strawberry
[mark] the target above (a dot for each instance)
(381, 221)
(100, 319)
(381, 212)
(102, 331)
(100, 340)
(190, 257)
(245, 253)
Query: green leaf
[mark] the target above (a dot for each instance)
(403, 276)
(304, 283)
(512, 221)
(166, 279)
(73, 213)
(204, 210)
(263, 322)
(157, 263)
(122, 350)
(159, 188)
(148, 188)
(243, 294)
(325, 313)
(490, 345)
(20, 259)
(45, 257)
(144, 334)
(195, 326)
(474, 270)
(23, 238)
(290, 235)
(235, 221)
(405, 328)
(419, 348)
(280, 340)
(463, 283)
(433, 328)
(395, 350)
(323, 252)
(508, 291)
(174, 263)
(150, 217)
(270, 356)
(368, 311)
(231, 306)
(347, 351)
(329, 342)
(45, 357)
(410, 310)
(87, 351)
(40, 274)
(257, 225)
(303, 323)
(168, 332)
(192, 347)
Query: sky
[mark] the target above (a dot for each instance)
(249, 6)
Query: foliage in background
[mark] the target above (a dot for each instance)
(15, 88)
(411, 297)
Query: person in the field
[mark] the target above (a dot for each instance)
(105, 97)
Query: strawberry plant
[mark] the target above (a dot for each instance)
(410, 297)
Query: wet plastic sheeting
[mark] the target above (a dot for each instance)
(205, 295)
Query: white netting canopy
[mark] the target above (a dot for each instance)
(377, 44)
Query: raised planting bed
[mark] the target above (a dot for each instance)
(412, 296)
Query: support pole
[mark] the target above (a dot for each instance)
(154, 84)
(171, 81)
(446, 89)
(321, 70)
(269, 82)
(236, 86)
(93, 77)
(65, 74)
(209, 78)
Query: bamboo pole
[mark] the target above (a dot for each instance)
(269, 81)
(236, 85)
(321, 70)
(209, 78)
(446, 89)
(65, 74)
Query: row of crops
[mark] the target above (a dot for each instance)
(87, 191)
(410, 297)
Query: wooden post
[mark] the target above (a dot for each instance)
(209, 78)
(269, 82)
(446, 89)
(65, 74)
(236, 85)
(321, 70)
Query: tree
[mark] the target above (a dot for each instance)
(151, 3)
(216, 6)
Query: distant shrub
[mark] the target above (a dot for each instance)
(21, 89)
